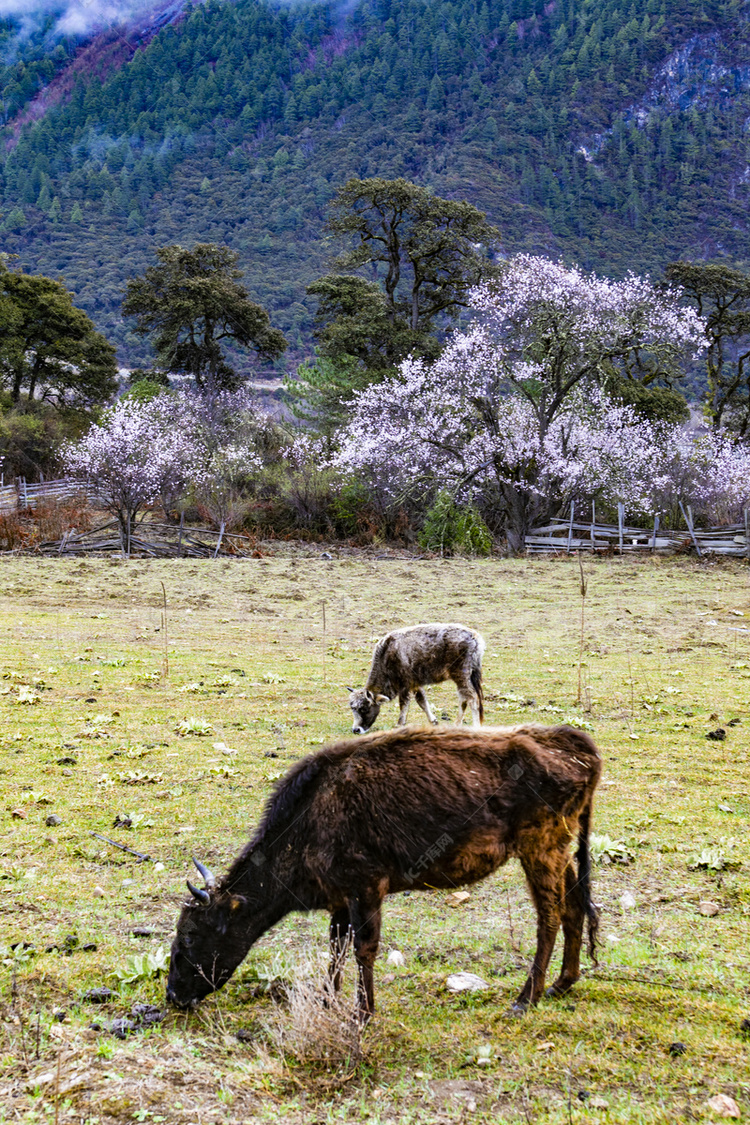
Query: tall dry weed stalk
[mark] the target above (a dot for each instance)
(584, 585)
(320, 1026)
(164, 632)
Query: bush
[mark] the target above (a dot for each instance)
(449, 529)
(48, 522)
(31, 437)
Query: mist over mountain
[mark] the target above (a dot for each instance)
(609, 134)
(77, 18)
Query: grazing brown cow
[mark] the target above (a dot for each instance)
(405, 660)
(404, 810)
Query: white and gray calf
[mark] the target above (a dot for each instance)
(406, 660)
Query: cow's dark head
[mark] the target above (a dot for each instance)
(365, 708)
(209, 944)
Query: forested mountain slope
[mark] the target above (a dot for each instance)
(611, 133)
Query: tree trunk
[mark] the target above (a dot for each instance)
(522, 511)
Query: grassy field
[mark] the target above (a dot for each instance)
(180, 720)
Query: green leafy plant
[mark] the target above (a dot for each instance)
(714, 859)
(14, 956)
(605, 850)
(143, 966)
(449, 529)
(193, 726)
(27, 695)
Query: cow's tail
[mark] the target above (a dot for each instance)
(476, 683)
(583, 859)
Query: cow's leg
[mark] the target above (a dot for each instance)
(544, 873)
(403, 702)
(424, 703)
(364, 914)
(340, 935)
(572, 923)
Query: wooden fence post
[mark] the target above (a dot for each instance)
(688, 517)
(593, 526)
(620, 522)
(747, 536)
(656, 528)
(570, 525)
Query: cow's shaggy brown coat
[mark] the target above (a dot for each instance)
(408, 659)
(408, 809)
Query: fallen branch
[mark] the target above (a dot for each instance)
(122, 847)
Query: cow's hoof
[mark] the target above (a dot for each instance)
(515, 1011)
(559, 988)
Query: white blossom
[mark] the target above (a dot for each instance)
(513, 411)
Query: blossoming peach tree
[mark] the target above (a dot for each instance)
(165, 449)
(131, 458)
(514, 413)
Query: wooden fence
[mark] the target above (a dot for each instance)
(559, 536)
(20, 494)
(563, 536)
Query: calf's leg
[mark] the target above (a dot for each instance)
(467, 697)
(403, 702)
(424, 703)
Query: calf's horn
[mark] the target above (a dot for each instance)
(207, 875)
(199, 893)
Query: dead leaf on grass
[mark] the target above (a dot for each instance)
(457, 898)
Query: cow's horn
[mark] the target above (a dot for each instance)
(207, 875)
(351, 689)
(202, 896)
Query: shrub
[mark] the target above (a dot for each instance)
(450, 529)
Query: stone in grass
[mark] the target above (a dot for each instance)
(627, 901)
(465, 982)
(395, 957)
(708, 909)
(723, 1106)
(53, 820)
(676, 1049)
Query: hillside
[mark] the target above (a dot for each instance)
(612, 134)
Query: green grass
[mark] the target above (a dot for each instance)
(666, 660)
